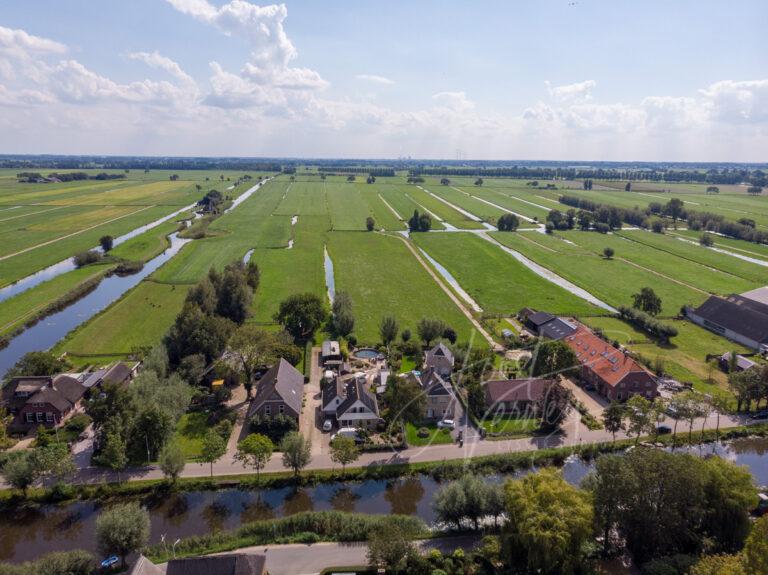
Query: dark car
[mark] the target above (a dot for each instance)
(663, 430)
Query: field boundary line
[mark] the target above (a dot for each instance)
(53, 241)
(32, 214)
(391, 209)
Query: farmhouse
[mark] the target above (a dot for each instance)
(519, 396)
(42, 400)
(740, 318)
(615, 375)
(439, 358)
(280, 391)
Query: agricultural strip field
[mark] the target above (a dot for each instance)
(140, 318)
(144, 314)
(666, 244)
(462, 199)
(613, 281)
(512, 202)
(497, 281)
(440, 209)
(303, 199)
(403, 204)
(348, 208)
(297, 270)
(667, 264)
(383, 277)
(750, 249)
(16, 311)
(684, 357)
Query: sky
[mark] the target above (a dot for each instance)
(622, 80)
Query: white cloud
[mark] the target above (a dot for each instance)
(18, 44)
(745, 101)
(271, 50)
(160, 62)
(375, 79)
(578, 92)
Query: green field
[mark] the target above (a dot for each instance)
(497, 281)
(613, 281)
(383, 277)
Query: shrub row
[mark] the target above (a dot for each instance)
(647, 323)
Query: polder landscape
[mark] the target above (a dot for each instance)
(185, 286)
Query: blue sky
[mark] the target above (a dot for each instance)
(610, 79)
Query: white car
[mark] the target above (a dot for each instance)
(327, 425)
(446, 424)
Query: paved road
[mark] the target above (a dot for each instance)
(574, 434)
(302, 559)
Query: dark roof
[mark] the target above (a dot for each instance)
(540, 318)
(230, 564)
(333, 388)
(143, 566)
(283, 379)
(741, 361)
(440, 350)
(52, 396)
(433, 384)
(118, 373)
(515, 390)
(356, 390)
(746, 317)
(70, 388)
(556, 328)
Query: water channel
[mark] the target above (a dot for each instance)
(26, 531)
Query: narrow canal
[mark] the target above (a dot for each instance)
(26, 531)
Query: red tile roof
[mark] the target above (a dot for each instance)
(607, 362)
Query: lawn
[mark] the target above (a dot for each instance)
(408, 363)
(613, 281)
(684, 357)
(436, 436)
(509, 425)
(495, 280)
(190, 433)
(348, 208)
(140, 318)
(382, 278)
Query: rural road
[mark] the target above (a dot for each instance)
(302, 559)
(574, 434)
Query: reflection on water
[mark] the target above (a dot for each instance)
(27, 533)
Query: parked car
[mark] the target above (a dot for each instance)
(760, 415)
(350, 432)
(664, 430)
(327, 425)
(446, 424)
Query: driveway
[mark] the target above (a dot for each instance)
(593, 402)
(311, 421)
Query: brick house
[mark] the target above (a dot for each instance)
(280, 391)
(42, 400)
(515, 396)
(615, 375)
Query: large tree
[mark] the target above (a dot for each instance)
(404, 399)
(508, 223)
(549, 522)
(197, 332)
(555, 405)
(214, 448)
(253, 348)
(301, 315)
(390, 544)
(429, 329)
(297, 451)
(255, 451)
(171, 460)
(38, 363)
(122, 529)
(552, 358)
(647, 301)
(343, 318)
(388, 329)
(613, 419)
(344, 451)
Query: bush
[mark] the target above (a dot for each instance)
(75, 562)
(423, 432)
(275, 427)
(77, 423)
(86, 258)
(647, 323)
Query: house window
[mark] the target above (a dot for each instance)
(281, 409)
(48, 416)
(39, 416)
(619, 396)
(267, 410)
(30, 417)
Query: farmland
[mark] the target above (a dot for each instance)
(286, 227)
